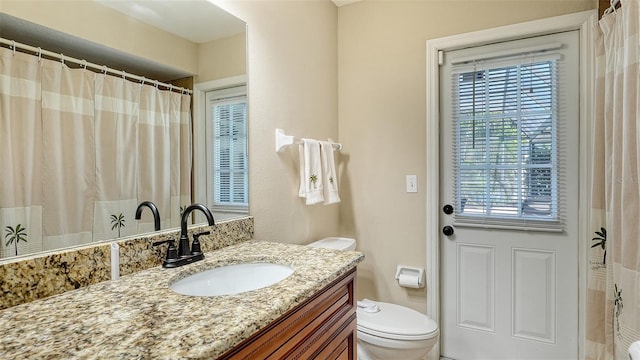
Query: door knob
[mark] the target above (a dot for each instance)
(447, 230)
(447, 209)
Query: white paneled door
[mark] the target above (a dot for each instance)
(509, 198)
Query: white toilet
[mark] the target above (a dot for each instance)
(393, 332)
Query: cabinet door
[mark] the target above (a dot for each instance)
(343, 346)
(320, 323)
(338, 316)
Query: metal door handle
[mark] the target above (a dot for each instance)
(447, 230)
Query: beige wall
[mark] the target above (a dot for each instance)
(292, 70)
(91, 21)
(382, 122)
(222, 58)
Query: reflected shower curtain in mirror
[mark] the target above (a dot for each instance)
(20, 154)
(68, 156)
(117, 111)
(613, 273)
(181, 156)
(79, 151)
(165, 142)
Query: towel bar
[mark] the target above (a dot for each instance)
(283, 140)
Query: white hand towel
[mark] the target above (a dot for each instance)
(310, 172)
(330, 179)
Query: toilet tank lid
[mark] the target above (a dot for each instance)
(397, 322)
(337, 243)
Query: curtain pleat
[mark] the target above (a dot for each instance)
(117, 112)
(613, 291)
(21, 184)
(181, 155)
(154, 147)
(79, 151)
(68, 155)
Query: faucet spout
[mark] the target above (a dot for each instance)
(154, 210)
(183, 245)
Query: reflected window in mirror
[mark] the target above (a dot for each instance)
(227, 151)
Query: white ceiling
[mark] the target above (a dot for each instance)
(199, 21)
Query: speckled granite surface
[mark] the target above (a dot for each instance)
(140, 254)
(43, 275)
(139, 317)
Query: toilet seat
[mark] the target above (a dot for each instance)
(396, 322)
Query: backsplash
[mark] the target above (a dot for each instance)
(39, 276)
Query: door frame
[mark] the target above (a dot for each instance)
(584, 22)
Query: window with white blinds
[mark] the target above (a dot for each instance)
(230, 175)
(506, 153)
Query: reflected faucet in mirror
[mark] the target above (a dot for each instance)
(154, 210)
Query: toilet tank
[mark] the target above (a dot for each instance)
(336, 243)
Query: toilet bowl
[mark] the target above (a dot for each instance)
(392, 332)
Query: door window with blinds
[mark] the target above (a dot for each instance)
(228, 173)
(506, 119)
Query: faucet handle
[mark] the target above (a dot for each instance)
(172, 251)
(195, 245)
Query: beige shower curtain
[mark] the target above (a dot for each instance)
(79, 151)
(180, 156)
(117, 112)
(165, 141)
(613, 298)
(68, 155)
(20, 153)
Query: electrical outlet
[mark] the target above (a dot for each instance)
(412, 183)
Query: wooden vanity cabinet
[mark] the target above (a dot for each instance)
(323, 327)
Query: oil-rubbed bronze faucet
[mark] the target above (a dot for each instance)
(183, 245)
(185, 254)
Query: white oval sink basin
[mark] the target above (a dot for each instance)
(231, 279)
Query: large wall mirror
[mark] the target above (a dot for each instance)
(217, 56)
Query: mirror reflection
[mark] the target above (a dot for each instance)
(93, 156)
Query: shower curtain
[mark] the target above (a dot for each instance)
(20, 154)
(613, 290)
(165, 139)
(68, 156)
(79, 151)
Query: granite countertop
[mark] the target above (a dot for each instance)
(139, 317)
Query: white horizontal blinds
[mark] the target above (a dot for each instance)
(230, 161)
(505, 118)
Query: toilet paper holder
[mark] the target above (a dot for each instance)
(412, 277)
